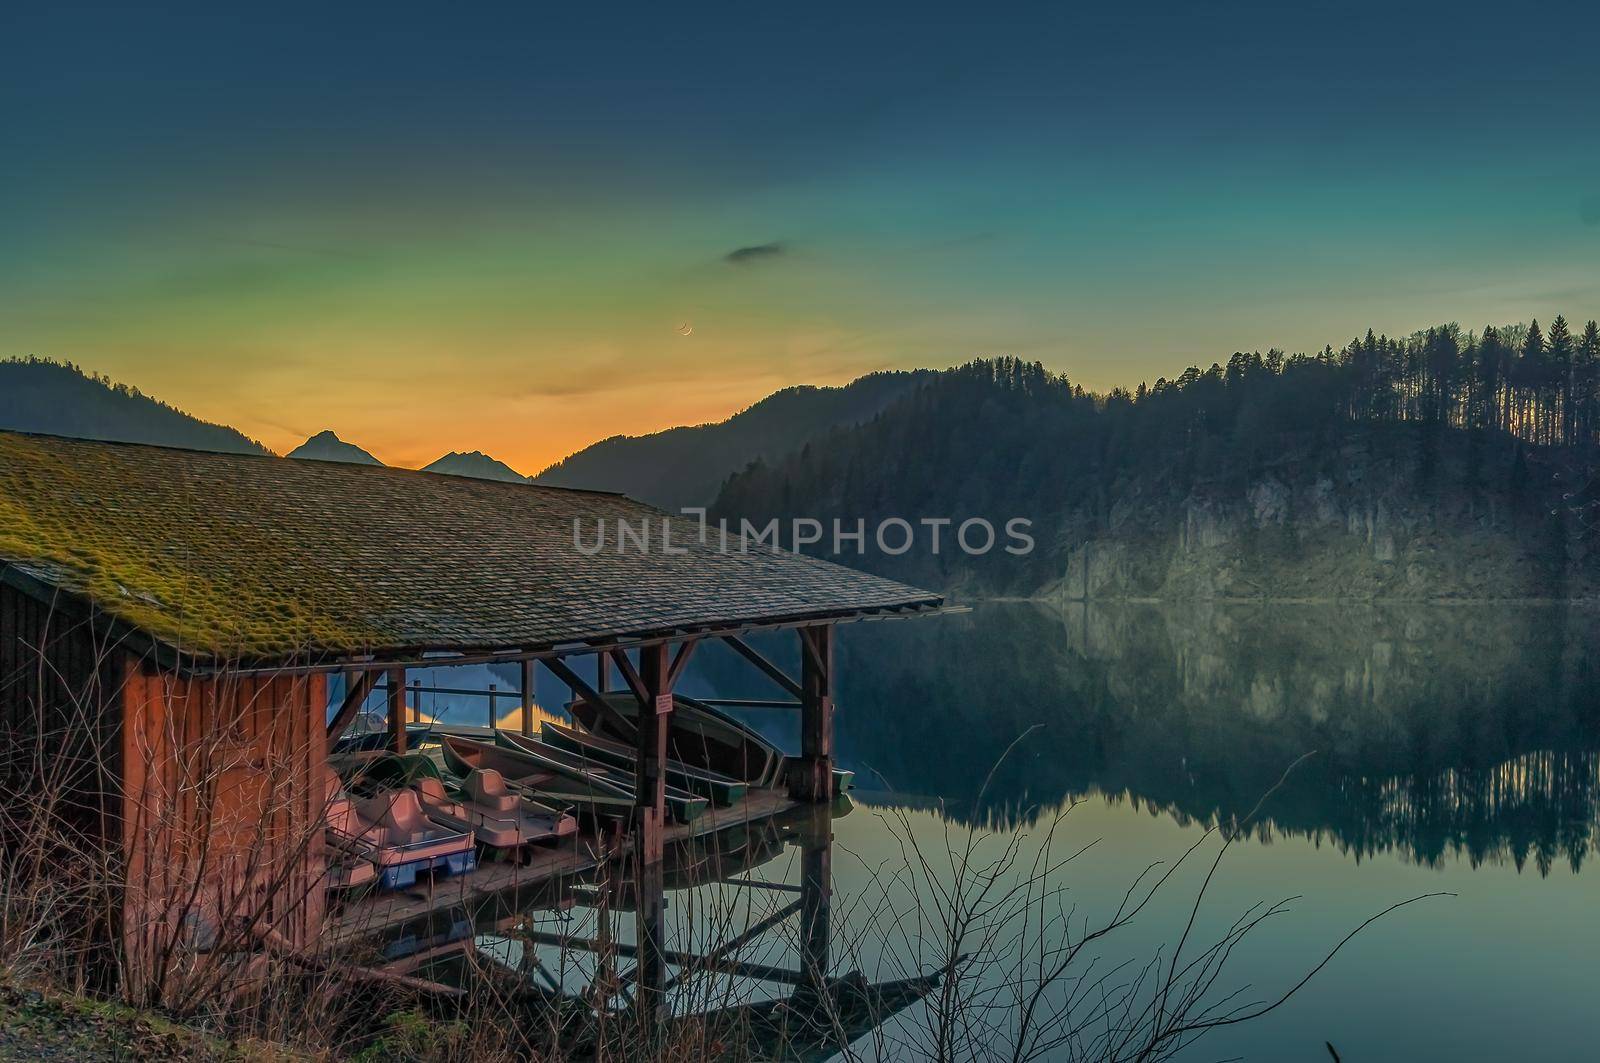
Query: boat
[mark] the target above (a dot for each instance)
(701, 736)
(704, 737)
(350, 865)
(391, 831)
(721, 789)
(682, 805)
(538, 780)
(498, 818)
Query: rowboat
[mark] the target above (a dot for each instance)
(701, 736)
(704, 737)
(721, 789)
(538, 779)
(682, 806)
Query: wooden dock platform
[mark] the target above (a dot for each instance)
(496, 891)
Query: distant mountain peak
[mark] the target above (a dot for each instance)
(476, 464)
(325, 446)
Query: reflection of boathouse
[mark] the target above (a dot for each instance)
(169, 621)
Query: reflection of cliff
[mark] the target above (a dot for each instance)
(1437, 729)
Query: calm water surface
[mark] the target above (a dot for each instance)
(1455, 749)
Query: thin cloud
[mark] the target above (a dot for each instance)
(755, 253)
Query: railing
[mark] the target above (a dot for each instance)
(494, 693)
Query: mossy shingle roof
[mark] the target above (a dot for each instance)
(227, 555)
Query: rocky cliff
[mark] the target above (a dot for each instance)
(1395, 517)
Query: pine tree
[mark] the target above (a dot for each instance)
(1586, 383)
(1558, 383)
(1527, 377)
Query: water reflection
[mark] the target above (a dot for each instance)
(1450, 730)
(753, 969)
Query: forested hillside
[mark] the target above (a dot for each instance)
(58, 398)
(686, 466)
(1443, 464)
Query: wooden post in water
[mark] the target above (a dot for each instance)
(527, 697)
(811, 778)
(395, 705)
(816, 896)
(650, 800)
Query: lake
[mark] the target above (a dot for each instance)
(1453, 749)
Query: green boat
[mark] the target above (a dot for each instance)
(537, 779)
(682, 805)
(720, 788)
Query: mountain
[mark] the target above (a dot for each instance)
(685, 466)
(325, 446)
(476, 464)
(59, 398)
(1274, 479)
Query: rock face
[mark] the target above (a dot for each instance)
(1380, 523)
(325, 446)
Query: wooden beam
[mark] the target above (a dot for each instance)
(395, 701)
(360, 686)
(772, 671)
(738, 941)
(680, 662)
(758, 971)
(630, 675)
(583, 690)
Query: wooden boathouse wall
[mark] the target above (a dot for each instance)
(222, 810)
(199, 799)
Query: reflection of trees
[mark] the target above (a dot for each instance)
(1439, 729)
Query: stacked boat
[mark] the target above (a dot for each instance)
(393, 817)
(703, 738)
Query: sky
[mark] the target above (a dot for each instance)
(523, 228)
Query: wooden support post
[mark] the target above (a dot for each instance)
(416, 700)
(527, 697)
(494, 690)
(811, 776)
(602, 672)
(816, 897)
(395, 702)
(650, 800)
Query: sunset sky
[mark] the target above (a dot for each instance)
(437, 227)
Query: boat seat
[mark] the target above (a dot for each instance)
(487, 787)
(339, 811)
(432, 791)
(398, 817)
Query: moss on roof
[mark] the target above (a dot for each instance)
(241, 556)
(59, 523)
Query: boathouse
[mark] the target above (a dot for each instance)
(169, 621)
